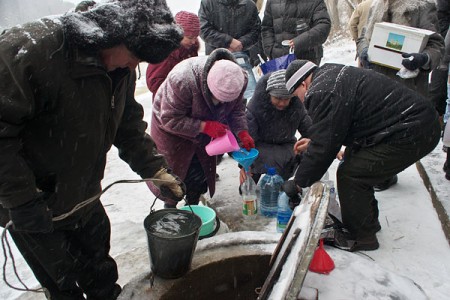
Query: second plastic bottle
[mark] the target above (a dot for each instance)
(270, 187)
(284, 212)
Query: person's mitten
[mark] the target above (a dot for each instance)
(169, 185)
(247, 141)
(413, 61)
(33, 216)
(215, 129)
(293, 192)
(364, 59)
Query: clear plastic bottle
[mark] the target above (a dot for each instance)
(249, 205)
(284, 212)
(270, 187)
(333, 206)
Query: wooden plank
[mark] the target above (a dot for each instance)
(276, 270)
(281, 241)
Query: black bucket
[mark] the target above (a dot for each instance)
(172, 236)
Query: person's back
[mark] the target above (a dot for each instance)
(358, 19)
(392, 113)
(230, 24)
(283, 20)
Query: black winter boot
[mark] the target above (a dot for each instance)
(365, 244)
(386, 184)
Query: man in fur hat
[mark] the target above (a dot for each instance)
(66, 96)
(384, 130)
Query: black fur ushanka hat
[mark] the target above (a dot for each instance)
(145, 27)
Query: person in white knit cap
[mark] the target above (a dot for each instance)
(385, 130)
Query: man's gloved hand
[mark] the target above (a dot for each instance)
(33, 216)
(169, 185)
(413, 61)
(214, 129)
(293, 192)
(364, 59)
(247, 141)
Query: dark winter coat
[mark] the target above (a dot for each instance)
(443, 13)
(274, 130)
(414, 13)
(223, 20)
(443, 10)
(347, 107)
(181, 103)
(60, 113)
(279, 23)
(157, 73)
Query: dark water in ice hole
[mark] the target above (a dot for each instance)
(230, 279)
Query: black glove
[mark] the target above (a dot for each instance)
(170, 185)
(364, 59)
(33, 216)
(413, 61)
(293, 192)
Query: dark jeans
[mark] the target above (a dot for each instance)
(363, 169)
(195, 182)
(437, 89)
(70, 262)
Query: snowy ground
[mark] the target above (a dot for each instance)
(412, 240)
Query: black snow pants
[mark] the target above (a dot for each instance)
(362, 169)
(71, 261)
(195, 182)
(437, 89)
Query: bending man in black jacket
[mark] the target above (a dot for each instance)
(384, 130)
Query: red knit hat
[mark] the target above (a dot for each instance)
(189, 22)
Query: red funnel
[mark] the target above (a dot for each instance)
(321, 262)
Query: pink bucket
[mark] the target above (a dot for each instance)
(225, 143)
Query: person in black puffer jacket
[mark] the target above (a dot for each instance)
(229, 24)
(305, 24)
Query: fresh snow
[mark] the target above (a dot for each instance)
(413, 247)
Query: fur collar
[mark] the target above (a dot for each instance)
(399, 10)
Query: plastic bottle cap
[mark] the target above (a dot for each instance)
(271, 171)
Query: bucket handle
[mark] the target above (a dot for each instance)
(213, 232)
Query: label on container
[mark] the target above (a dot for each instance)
(282, 220)
(249, 208)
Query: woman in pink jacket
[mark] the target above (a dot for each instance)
(201, 98)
